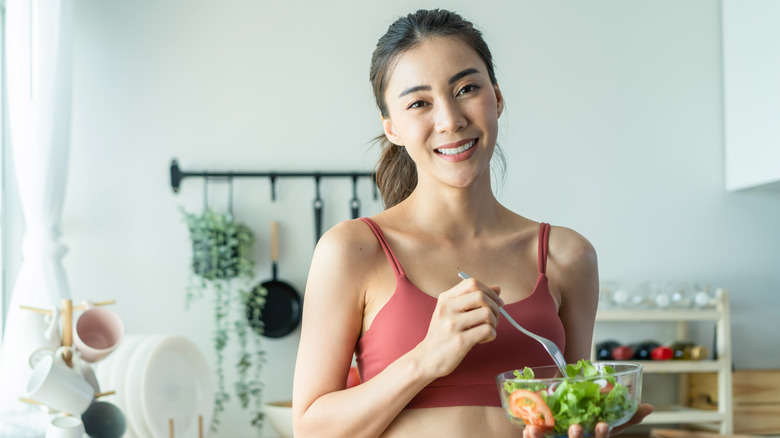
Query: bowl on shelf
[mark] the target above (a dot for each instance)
(279, 414)
(601, 391)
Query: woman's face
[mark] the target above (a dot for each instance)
(443, 108)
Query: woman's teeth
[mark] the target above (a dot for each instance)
(457, 150)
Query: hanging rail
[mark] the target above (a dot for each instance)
(177, 175)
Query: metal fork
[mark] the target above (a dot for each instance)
(548, 345)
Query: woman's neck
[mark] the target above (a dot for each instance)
(453, 211)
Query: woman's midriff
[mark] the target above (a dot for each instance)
(454, 422)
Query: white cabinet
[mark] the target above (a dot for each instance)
(751, 92)
(722, 418)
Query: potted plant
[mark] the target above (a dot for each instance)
(222, 258)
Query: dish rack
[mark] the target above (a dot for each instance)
(160, 341)
(721, 419)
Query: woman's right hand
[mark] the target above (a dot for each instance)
(465, 315)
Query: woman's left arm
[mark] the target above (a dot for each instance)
(573, 273)
(572, 269)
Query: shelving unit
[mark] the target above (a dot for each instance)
(721, 419)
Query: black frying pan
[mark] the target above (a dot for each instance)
(281, 313)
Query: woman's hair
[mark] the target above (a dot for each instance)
(396, 173)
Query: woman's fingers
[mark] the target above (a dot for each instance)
(465, 315)
(602, 429)
(470, 294)
(642, 411)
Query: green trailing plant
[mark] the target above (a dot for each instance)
(222, 258)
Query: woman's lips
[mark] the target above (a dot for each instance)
(458, 152)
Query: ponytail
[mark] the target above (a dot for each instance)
(395, 172)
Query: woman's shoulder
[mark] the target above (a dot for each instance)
(349, 241)
(343, 262)
(569, 252)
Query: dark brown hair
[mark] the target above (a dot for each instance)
(396, 173)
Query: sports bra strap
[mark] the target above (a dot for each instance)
(397, 269)
(544, 236)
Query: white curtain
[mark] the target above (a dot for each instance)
(39, 57)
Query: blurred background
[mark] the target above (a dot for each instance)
(615, 126)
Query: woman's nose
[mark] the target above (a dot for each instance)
(449, 118)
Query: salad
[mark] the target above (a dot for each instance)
(586, 396)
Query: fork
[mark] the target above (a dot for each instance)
(548, 345)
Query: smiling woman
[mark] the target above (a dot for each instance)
(396, 171)
(385, 289)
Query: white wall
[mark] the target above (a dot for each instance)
(614, 127)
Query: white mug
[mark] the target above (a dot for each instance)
(65, 427)
(98, 332)
(54, 384)
(79, 365)
(36, 331)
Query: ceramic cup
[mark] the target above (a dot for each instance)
(98, 332)
(35, 331)
(79, 365)
(65, 427)
(54, 384)
(104, 420)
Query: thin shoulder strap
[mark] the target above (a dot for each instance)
(544, 236)
(397, 269)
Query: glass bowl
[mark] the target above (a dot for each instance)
(594, 392)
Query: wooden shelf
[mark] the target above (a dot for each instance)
(681, 366)
(681, 414)
(657, 315)
(722, 418)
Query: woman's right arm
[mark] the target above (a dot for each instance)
(341, 269)
(331, 325)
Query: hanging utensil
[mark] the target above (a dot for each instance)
(230, 195)
(273, 308)
(318, 205)
(205, 193)
(354, 203)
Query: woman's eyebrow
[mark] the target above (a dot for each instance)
(411, 90)
(466, 72)
(453, 79)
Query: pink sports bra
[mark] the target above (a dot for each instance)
(403, 322)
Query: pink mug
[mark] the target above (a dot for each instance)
(98, 332)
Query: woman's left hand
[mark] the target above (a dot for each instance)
(602, 430)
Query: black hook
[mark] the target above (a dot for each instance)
(318, 204)
(205, 193)
(273, 186)
(230, 194)
(355, 202)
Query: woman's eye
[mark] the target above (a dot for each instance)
(468, 89)
(416, 104)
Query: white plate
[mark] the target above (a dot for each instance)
(177, 384)
(104, 367)
(134, 382)
(116, 376)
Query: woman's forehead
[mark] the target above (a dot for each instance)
(433, 60)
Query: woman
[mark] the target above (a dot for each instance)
(428, 344)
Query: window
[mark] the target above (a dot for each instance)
(3, 162)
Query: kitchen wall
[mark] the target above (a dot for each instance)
(613, 127)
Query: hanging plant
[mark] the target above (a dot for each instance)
(221, 256)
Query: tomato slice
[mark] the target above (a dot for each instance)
(530, 407)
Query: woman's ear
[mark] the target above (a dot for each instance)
(499, 100)
(390, 133)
